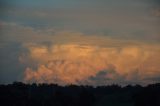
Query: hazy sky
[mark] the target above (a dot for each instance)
(92, 42)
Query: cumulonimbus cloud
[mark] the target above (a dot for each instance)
(73, 62)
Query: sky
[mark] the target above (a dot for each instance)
(93, 42)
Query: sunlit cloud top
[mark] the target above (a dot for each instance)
(98, 41)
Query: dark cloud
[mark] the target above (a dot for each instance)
(106, 77)
(100, 76)
(156, 2)
(154, 79)
(3, 5)
(10, 68)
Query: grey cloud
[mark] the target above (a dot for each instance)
(10, 68)
(106, 77)
(100, 76)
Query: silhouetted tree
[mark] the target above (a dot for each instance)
(20, 94)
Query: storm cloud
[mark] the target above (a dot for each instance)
(66, 63)
(93, 42)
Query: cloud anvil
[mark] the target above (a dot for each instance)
(95, 42)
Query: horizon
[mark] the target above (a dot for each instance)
(17, 83)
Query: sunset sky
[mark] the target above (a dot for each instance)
(94, 42)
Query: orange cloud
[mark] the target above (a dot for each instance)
(72, 63)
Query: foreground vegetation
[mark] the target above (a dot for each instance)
(20, 94)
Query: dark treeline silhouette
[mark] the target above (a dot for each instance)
(20, 94)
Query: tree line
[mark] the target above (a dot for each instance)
(20, 94)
